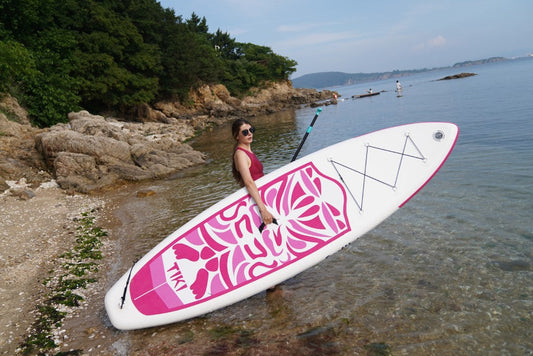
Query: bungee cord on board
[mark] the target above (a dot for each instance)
(365, 175)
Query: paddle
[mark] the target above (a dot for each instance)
(263, 225)
(306, 134)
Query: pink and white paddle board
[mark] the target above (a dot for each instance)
(321, 202)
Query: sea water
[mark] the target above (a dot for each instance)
(450, 273)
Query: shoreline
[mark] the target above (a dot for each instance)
(90, 152)
(39, 220)
(34, 233)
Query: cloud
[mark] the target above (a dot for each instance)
(438, 41)
(317, 38)
(295, 28)
(304, 26)
(253, 8)
(237, 31)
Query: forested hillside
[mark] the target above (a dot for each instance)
(58, 56)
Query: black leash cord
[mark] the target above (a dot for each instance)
(126, 287)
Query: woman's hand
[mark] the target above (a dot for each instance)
(266, 217)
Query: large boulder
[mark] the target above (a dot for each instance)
(91, 152)
(18, 156)
(103, 149)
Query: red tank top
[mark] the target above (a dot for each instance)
(256, 168)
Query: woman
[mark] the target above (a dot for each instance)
(246, 166)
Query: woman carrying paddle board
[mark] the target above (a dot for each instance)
(246, 166)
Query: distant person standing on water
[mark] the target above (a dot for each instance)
(398, 86)
(246, 166)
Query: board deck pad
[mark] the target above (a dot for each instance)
(321, 202)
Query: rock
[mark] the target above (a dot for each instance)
(76, 171)
(323, 103)
(25, 194)
(216, 101)
(10, 105)
(92, 152)
(513, 266)
(458, 76)
(18, 156)
(94, 125)
(105, 149)
(91, 330)
(19, 188)
(145, 193)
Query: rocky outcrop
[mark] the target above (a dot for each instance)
(92, 152)
(458, 76)
(215, 101)
(10, 106)
(18, 157)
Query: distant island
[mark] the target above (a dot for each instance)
(458, 76)
(332, 79)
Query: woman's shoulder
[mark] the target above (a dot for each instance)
(244, 149)
(242, 152)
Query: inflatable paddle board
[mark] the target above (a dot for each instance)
(321, 202)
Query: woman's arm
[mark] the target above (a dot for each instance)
(242, 163)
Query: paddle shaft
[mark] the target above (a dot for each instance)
(263, 225)
(306, 134)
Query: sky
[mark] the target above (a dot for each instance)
(354, 36)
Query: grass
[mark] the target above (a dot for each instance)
(76, 272)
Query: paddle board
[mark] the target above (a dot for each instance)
(321, 202)
(365, 95)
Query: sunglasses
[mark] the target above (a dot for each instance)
(248, 131)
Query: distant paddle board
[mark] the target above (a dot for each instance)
(366, 95)
(321, 202)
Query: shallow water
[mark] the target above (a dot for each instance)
(450, 273)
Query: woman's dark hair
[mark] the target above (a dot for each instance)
(235, 131)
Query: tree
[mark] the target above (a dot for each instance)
(116, 67)
(61, 55)
(45, 85)
(188, 60)
(197, 24)
(224, 45)
(254, 65)
(17, 66)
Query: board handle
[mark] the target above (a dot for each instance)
(263, 225)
